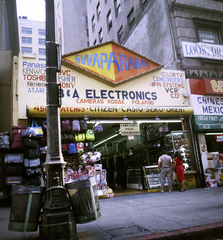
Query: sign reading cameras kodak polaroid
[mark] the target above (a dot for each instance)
(105, 81)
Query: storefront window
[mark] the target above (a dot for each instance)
(214, 143)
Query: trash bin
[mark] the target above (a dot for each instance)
(84, 199)
(25, 208)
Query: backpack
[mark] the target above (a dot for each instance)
(80, 137)
(76, 126)
(80, 147)
(90, 135)
(88, 147)
(66, 127)
(83, 126)
(72, 148)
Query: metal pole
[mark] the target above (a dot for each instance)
(57, 219)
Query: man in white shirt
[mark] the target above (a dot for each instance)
(165, 167)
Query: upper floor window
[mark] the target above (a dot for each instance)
(95, 42)
(208, 31)
(98, 10)
(42, 51)
(100, 35)
(42, 41)
(117, 7)
(42, 32)
(109, 20)
(27, 40)
(131, 18)
(93, 23)
(27, 50)
(144, 3)
(120, 34)
(26, 30)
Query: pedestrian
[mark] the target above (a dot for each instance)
(179, 168)
(165, 167)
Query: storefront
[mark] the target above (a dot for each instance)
(206, 98)
(141, 107)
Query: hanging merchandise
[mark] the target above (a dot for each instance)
(31, 143)
(64, 138)
(88, 147)
(83, 126)
(14, 158)
(38, 130)
(76, 126)
(32, 153)
(32, 162)
(33, 172)
(80, 137)
(90, 135)
(65, 149)
(80, 147)
(72, 148)
(98, 128)
(4, 140)
(17, 140)
(66, 127)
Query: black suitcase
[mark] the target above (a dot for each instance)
(14, 170)
(32, 153)
(30, 143)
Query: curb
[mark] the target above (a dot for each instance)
(193, 233)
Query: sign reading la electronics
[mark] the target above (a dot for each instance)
(112, 88)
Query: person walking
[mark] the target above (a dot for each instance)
(178, 164)
(165, 167)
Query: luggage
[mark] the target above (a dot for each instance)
(65, 149)
(14, 158)
(98, 128)
(64, 138)
(33, 172)
(71, 138)
(4, 140)
(13, 170)
(72, 148)
(32, 153)
(32, 162)
(76, 126)
(80, 137)
(83, 126)
(90, 135)
(34, 180)
(80, 147)
(88, 147)
(66, 127)
(17, 140)
(31, 143)
(13, 180)
(1, 172)
(2, 181)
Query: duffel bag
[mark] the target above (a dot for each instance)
(33, 172)
(13, 170)
(31, 143)
(14, 158)
(31, 162)
(32, 153)
(33, 180)
(13, 180)
(4, 140)
(17, 140)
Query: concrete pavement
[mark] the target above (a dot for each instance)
(147, 216)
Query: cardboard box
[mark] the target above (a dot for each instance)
(211, 183)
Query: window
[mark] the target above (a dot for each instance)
(109, 20)
(93, 23)
(42, 59)
(100, 35)
(42, 32)
(98, 10)
(95, 42)
(26, 30)
(87, 32)
(144, 3)
(42, 51)
(105, 1)
(27, 40)
(120, 34)
(117, 7)
(131, 18)
(42, 41)
(208, 31)
(27, 50)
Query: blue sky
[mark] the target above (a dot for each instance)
(33, 9)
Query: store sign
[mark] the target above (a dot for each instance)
(211, 86)
(202, 50)
(205, 127)
(219, 138)
(130, 129)
(112, 62)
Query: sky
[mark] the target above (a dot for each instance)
(32, 9)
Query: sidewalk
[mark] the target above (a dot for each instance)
(176, 215)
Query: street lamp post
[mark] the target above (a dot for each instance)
(57, 219)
